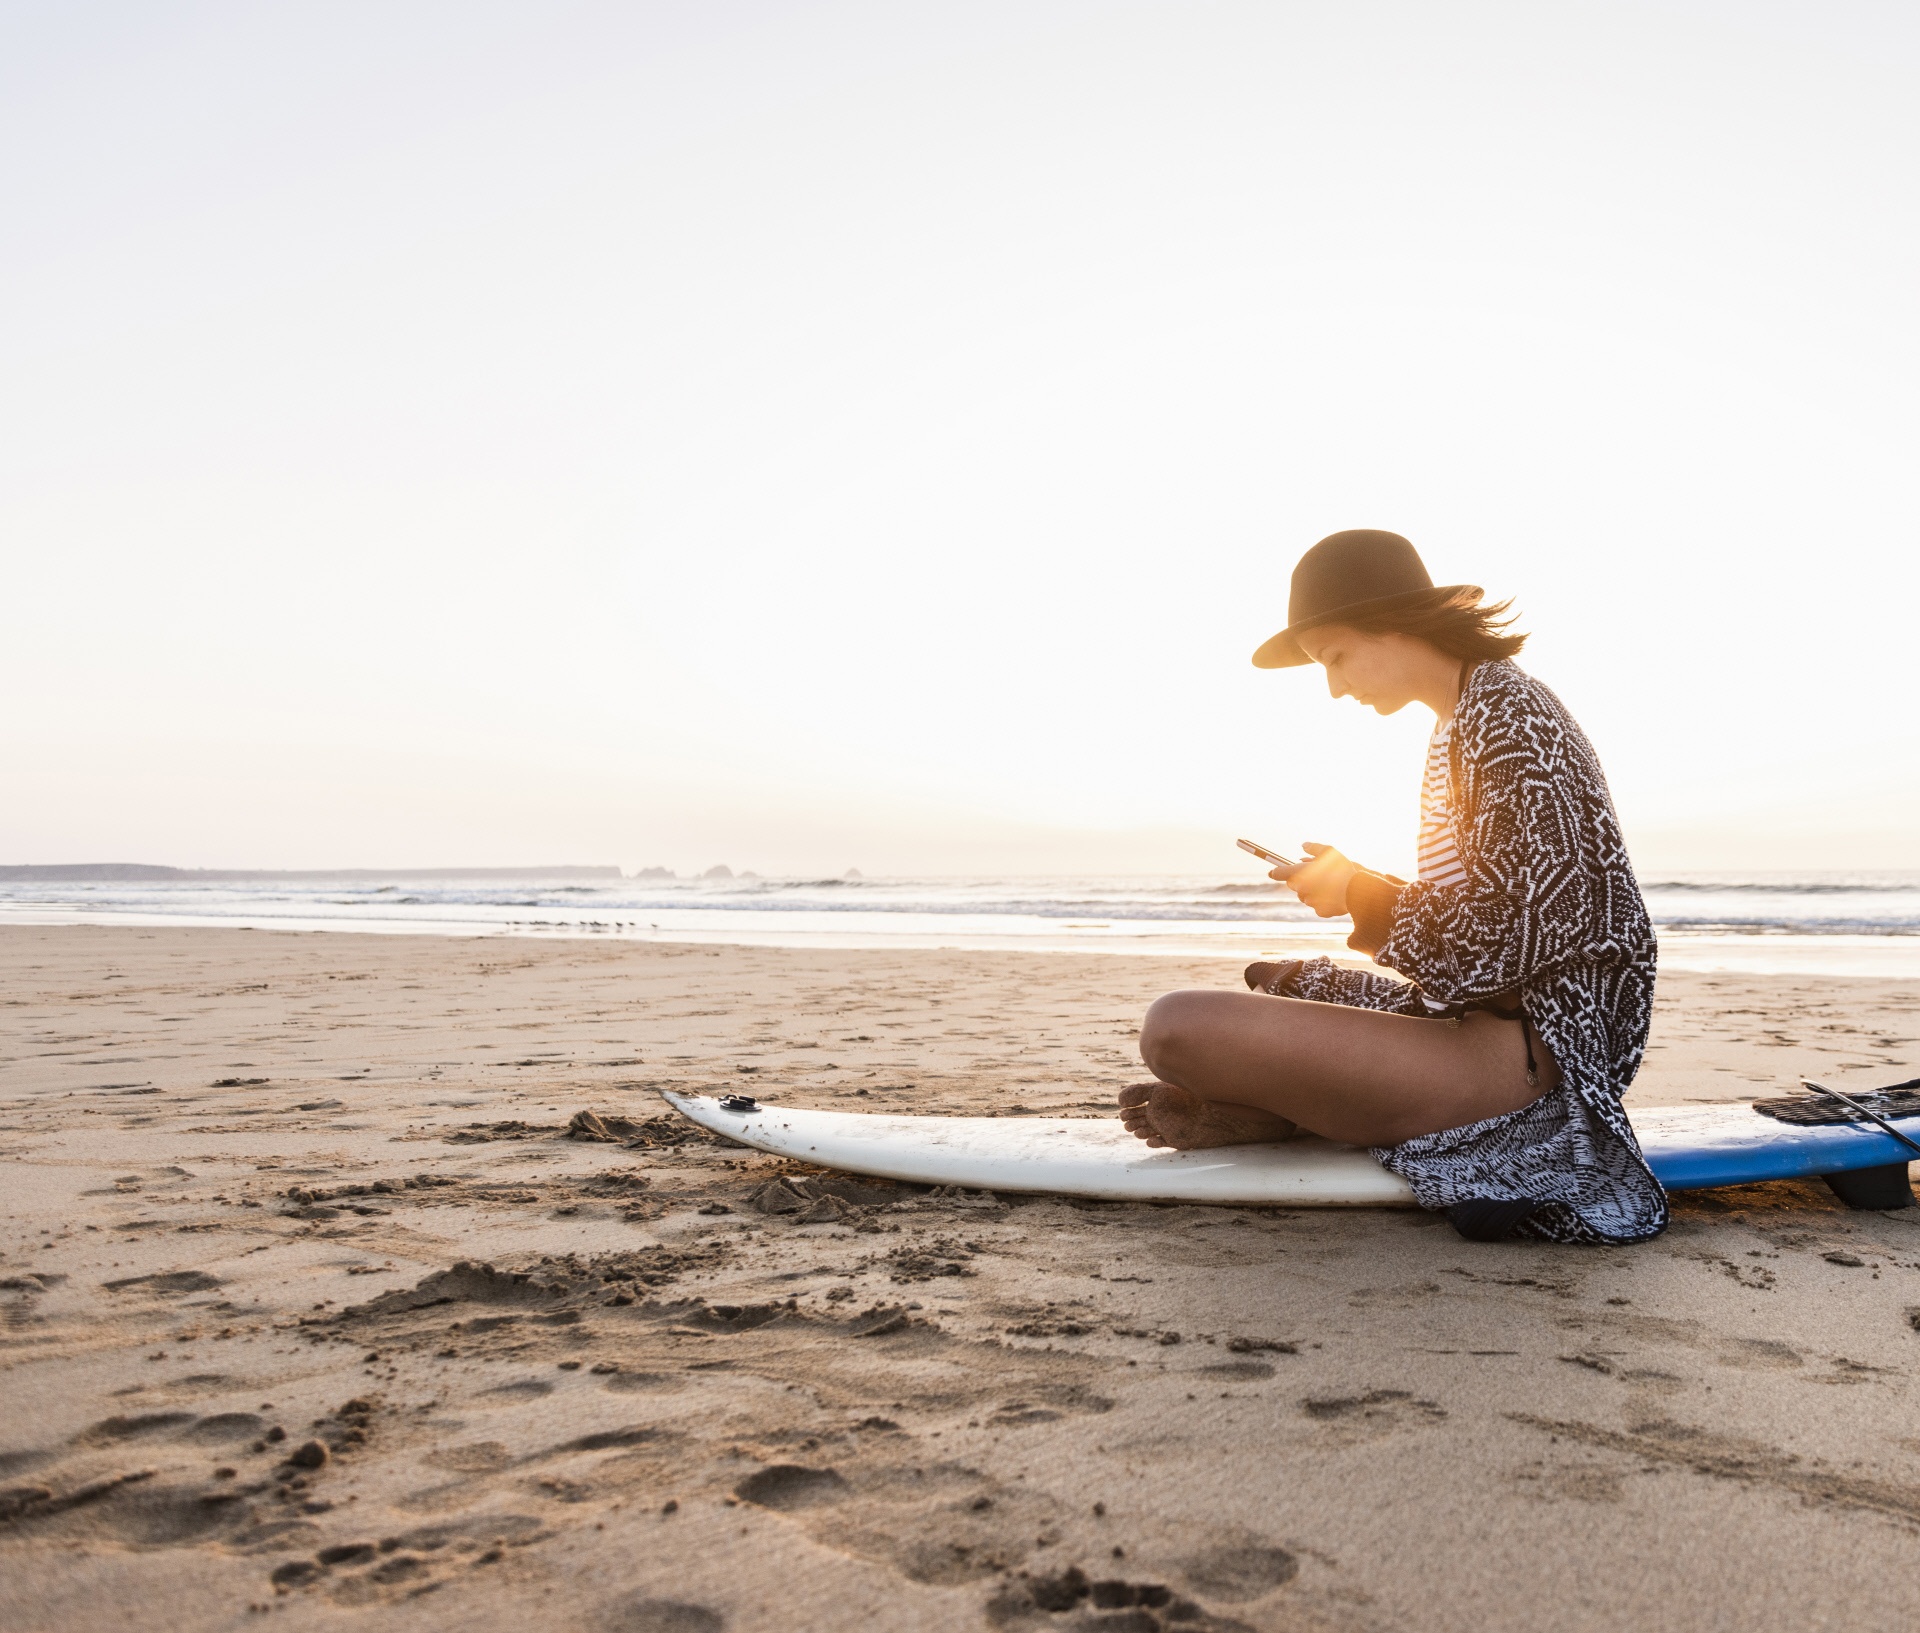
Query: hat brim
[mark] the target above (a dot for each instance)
(1284, 651)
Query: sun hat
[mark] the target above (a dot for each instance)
(1345, 576)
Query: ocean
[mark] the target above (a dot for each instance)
(1813, 923)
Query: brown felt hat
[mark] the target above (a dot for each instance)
(1345, 576)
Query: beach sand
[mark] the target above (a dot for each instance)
(313, 1312)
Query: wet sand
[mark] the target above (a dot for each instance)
(315, 1310)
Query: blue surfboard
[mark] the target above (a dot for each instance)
(1694, 1148)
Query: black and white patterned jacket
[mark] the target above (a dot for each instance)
(1550, 911)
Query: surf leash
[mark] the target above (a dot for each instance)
(1854, 1105)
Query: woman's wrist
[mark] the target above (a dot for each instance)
(1371, 900)
(1277, 978)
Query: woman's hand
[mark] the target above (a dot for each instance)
(1321, 880)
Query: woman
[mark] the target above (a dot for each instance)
(1491, 1078)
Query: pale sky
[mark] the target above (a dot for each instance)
(809, 436)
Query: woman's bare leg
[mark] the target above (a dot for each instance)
(1239, 1067)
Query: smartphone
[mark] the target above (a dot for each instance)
(1266, 855)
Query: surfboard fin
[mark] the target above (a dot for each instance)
(1877, 1189)
(1481, 1219)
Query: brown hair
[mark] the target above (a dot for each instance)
(1455, 620)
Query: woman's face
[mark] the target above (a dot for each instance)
(1381, 671)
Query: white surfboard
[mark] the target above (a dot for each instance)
(1689, 1147)
(1068, 1156)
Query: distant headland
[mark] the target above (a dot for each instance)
(125, 872)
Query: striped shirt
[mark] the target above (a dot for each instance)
(1439, 855)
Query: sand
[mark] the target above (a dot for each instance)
(315, 1313)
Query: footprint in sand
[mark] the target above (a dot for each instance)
(788, 1486)
(1377, 1413)
(645, 1615)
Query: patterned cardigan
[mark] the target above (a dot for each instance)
(1551, 911)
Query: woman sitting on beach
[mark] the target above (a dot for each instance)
(1491, 1078)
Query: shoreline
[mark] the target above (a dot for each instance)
(1837, 956)
(266, 1181)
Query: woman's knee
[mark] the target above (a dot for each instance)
(1168, 1035)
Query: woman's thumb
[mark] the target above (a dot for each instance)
(1313, 847)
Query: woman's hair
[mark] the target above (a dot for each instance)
(1454, 620)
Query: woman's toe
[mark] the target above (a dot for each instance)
(1137, 1094)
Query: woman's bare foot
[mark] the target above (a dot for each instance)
(1163, 1115)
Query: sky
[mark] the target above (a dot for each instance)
(809, 436)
